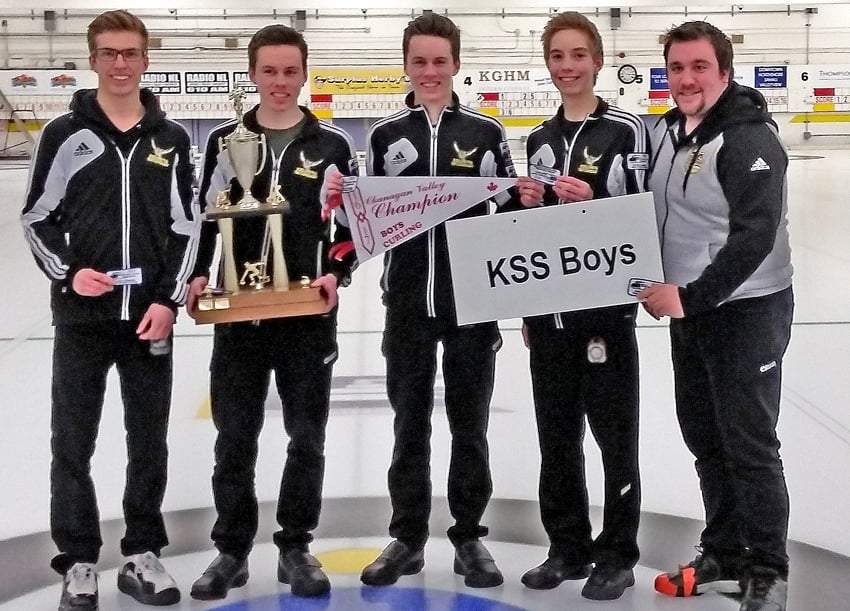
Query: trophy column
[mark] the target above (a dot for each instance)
(280, 275)
(228, 258)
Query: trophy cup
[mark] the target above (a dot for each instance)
(253, 295)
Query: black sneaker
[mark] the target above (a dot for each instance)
(396, 560)
(303, 572)
(79, 588)
(703, 574)
(224, 572)
(766, 591)
(607, 582)
(145, 579)
(554, 571)
(476, 565)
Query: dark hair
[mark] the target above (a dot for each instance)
(697, 30)
(115, 21)
(571, 20)
(276, 35)
(431, 24)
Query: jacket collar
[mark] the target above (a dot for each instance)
(408, 101)
(311, 122)
(601, 109)
(84, 103)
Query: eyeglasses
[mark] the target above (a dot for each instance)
(110, 55)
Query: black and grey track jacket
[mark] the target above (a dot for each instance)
(609, 150)
(299, 170)
(464, 142)
(104, 199)
(721, 202)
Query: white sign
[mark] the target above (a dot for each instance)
(554, 259)
(162, 83)
(207, 82)
(387, 211)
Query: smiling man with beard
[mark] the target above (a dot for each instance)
(719, 180)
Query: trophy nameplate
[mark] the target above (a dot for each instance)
(249, 293)
(220, 306)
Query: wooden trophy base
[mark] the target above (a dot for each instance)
(259, 304)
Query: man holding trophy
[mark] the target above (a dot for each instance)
(262, 180)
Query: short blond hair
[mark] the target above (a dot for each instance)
(571, 20)
(115, 21)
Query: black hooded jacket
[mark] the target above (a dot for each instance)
(108, 200)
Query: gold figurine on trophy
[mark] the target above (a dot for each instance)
(253, 295)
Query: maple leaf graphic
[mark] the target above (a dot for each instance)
(492, 186)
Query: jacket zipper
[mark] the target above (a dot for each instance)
(125, 225)
(430, 297)
(559, 321)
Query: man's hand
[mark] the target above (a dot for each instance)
(530, 191)
(156, 323)
(327, 285)
(662, 300)
(89, 283)
(570, 189)
(196, 287)
(333, 186)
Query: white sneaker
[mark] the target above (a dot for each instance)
(79, 588)
(145, 579)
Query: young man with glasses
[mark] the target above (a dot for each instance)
(109, 219)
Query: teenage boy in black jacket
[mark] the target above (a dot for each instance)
(434, 135)
(300, 350)
(584, 364)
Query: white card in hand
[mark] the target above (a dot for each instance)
(131, 275)
(544, 174)
(636, 285)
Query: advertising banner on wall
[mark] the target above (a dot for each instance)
(353, 81)
(45, 82)
(207, 82)
(517, 96)
(242, 81)
(162, 83)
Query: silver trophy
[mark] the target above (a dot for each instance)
(247, 153)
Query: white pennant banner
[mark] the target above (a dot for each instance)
(387, 211)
